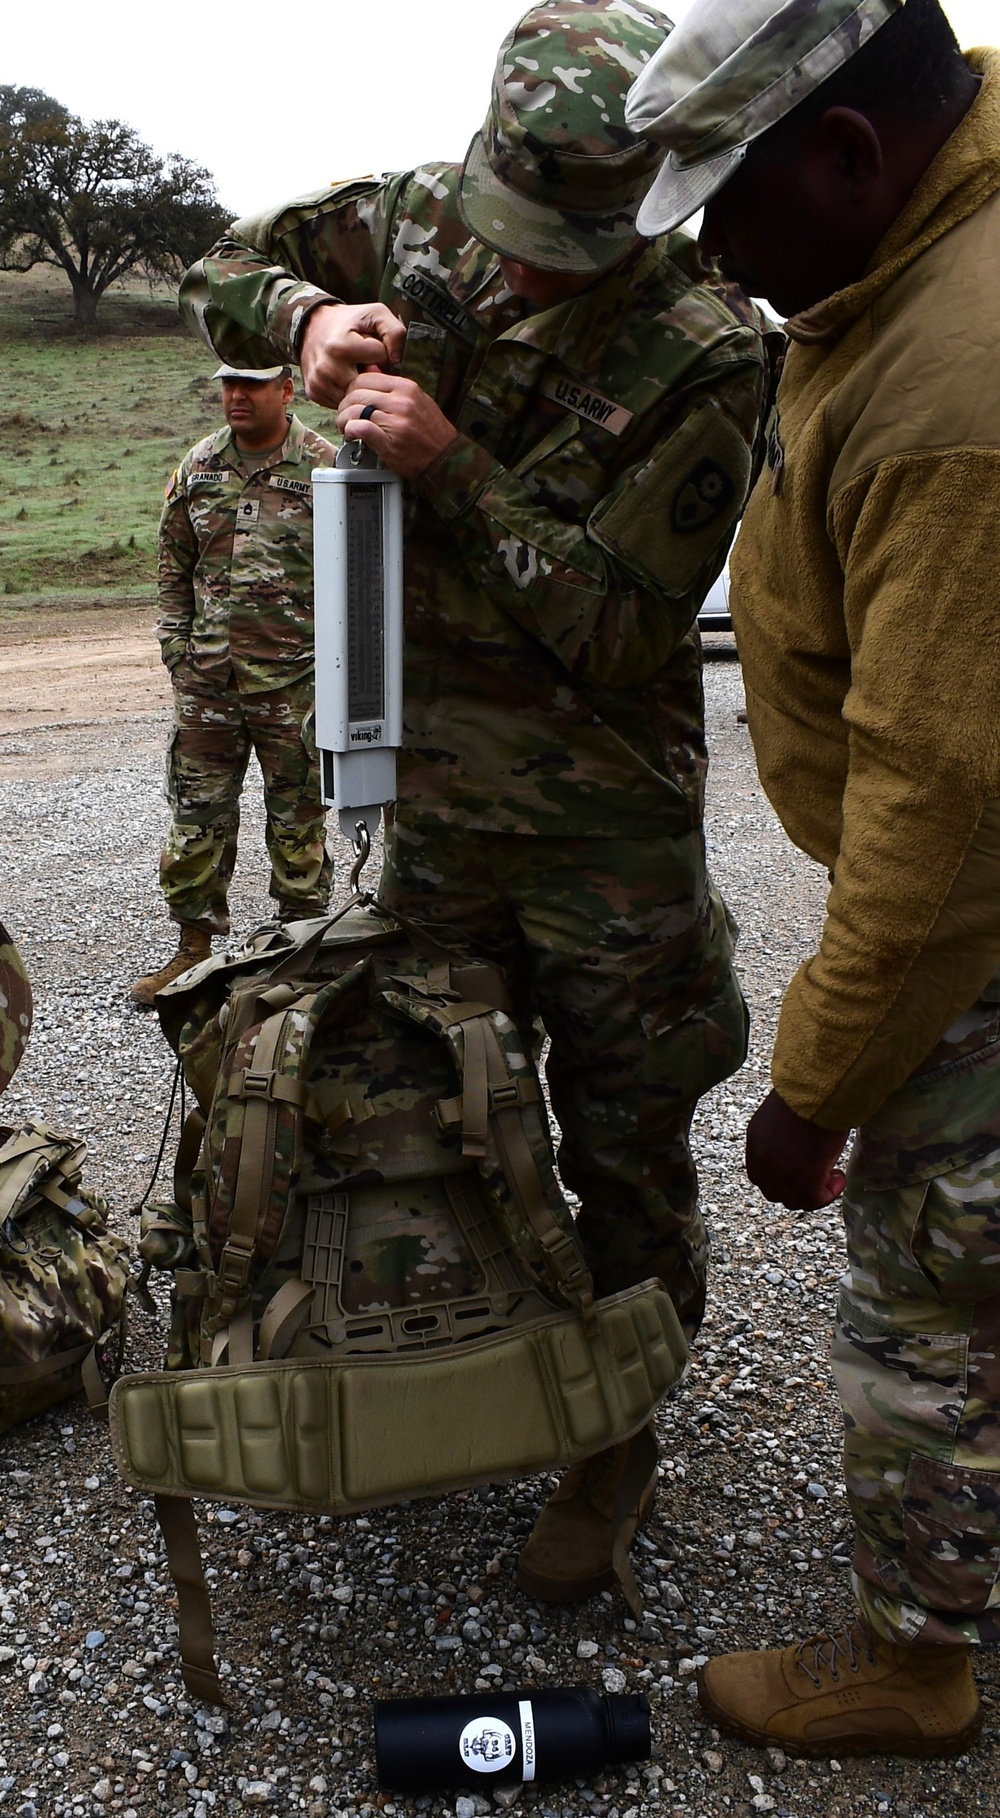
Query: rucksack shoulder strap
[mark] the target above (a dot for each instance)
(500, 1092)
(491, 1111)
(258, 1113)
(270, 1098)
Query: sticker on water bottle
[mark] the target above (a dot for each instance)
(487, 1744)
(527, 1717)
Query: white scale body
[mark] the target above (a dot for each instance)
(358, 575)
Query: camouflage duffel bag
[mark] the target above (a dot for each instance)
(62, 1277)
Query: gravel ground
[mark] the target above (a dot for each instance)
(750, 1540)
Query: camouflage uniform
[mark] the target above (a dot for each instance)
(915, 1353)
(15, 1009)
(235, 586)
(557, 552)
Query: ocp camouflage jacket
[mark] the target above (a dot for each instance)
(559, 548)
(236, 562)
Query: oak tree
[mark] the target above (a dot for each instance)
(93, 199)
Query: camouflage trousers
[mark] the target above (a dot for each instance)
(623, 950)
(917, 1355)
(215, 731)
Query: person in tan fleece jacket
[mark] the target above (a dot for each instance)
(848, 158)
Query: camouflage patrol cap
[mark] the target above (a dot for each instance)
(731, 70)
(257, 373)
(15, 1008)
(555, 177)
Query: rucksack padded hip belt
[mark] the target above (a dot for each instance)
(340, 1437)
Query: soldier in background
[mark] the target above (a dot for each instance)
(848, 157)
(236, 632)
(576, 412)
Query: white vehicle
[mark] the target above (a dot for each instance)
(714, 614)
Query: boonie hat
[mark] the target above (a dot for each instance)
(259, 373)
(730, 70)
(554, 178)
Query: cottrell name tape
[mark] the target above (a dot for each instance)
(438, 304)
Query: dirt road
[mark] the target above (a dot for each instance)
(71, 668)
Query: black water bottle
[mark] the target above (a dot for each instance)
(423, 1745)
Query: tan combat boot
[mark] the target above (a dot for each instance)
(579, 1544)
(849, 1693)
(195, 944)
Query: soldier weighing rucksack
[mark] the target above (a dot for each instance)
(574, 411)
(377, 1289)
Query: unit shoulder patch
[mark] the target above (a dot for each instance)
(670, 517)
(586, 403)
(704, 493)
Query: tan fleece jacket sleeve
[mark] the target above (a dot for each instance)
(913, 918)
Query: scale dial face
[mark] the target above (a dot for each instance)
(365, 582)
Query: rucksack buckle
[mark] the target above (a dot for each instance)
(570, 1267)
(233, 1272)
(273, 1087)
(257, 1085)
(512, 1096)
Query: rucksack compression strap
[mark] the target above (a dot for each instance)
(199, 1672)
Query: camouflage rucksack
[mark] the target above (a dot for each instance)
(377, 1288)
(62, 1277)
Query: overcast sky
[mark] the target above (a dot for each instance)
(278, 100)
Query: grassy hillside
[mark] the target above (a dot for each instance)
(91, 428)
